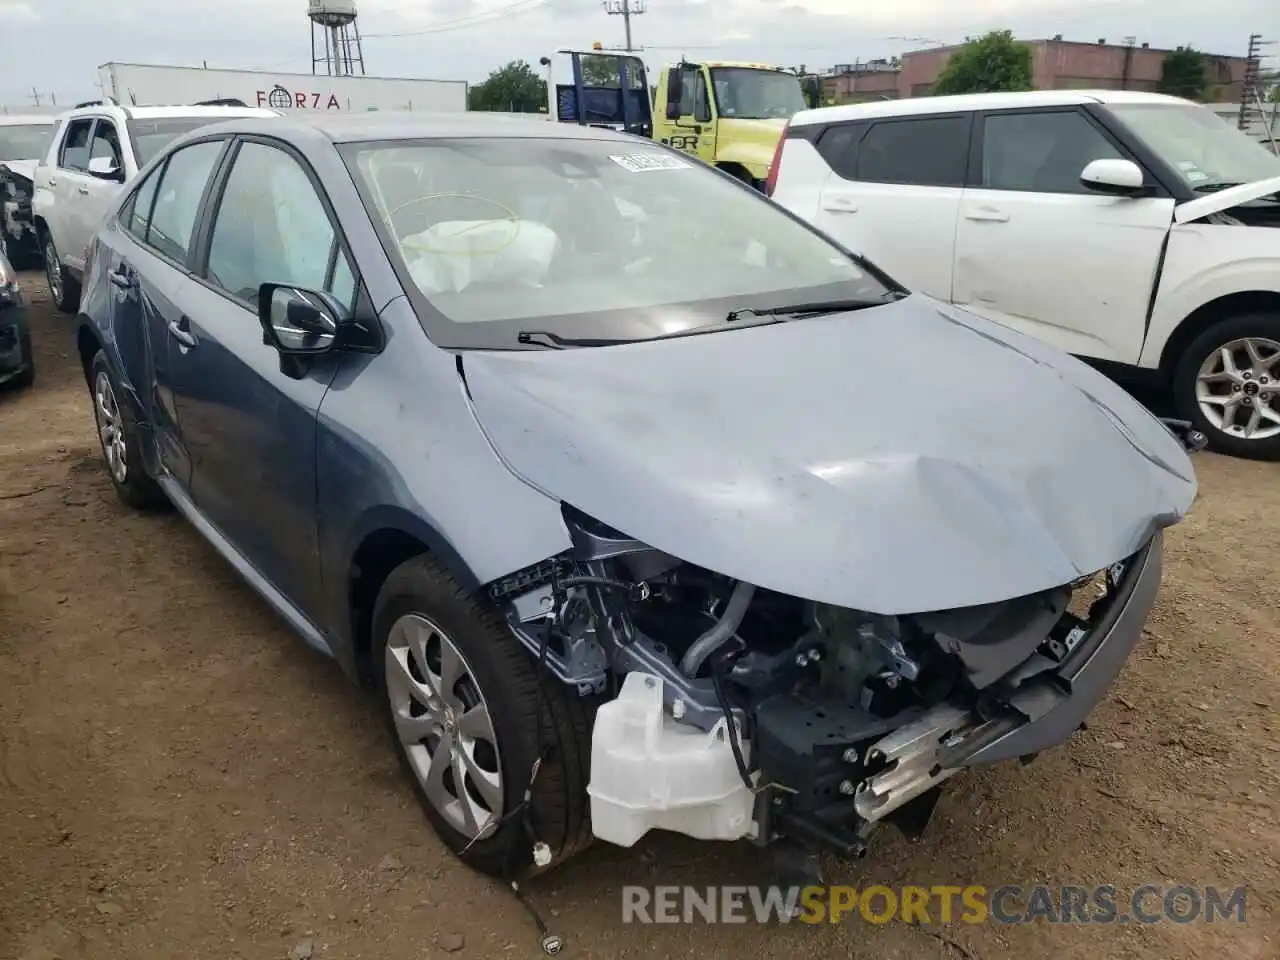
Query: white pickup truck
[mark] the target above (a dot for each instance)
(1126, 228)
(99, 147)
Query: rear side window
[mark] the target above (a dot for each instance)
(75, 146)
(177, 202)
(1040, 152)
(930, 151)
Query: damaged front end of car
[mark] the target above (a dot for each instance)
(730, 711)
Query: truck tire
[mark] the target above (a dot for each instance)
(1226, 384)
(423, 616)
(64, 290)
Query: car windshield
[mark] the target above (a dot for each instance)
(605, 239)
(1204, 149)
(743, 93)
(25, 141)
(152, 136)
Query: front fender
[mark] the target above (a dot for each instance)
(1204, 262)
(751, 156)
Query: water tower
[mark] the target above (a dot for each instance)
(335, 21)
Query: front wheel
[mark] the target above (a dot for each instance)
(461, 700)
(1226, 384)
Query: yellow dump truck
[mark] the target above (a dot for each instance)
(727, 114)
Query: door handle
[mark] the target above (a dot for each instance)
(840, 205)
(180, 330)
(83, 191)
(121, 278)
(52, 182)
(988, 214)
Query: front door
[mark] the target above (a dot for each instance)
(1037, 251)
(249, 428)
(695, 130)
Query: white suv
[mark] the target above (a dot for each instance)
(1127, 228)
(97, 148)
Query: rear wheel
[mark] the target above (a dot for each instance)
(63, 287)
(461, 701)
(1226, 384)
(118, 435)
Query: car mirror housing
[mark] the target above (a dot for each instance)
(299, 322)
(1114, 176)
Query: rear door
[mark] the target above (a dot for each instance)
(1037, 251)
(894, 193)
(249, 427)
(150, 275)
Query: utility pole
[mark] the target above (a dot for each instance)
(625, 9)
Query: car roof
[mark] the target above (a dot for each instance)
(174, 111)
(404, 125)
(28, 119)
(976, 101)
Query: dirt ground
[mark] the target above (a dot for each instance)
(181, 777)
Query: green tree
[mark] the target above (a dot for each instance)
(990, 63)
(514, 88)
(1184, 74)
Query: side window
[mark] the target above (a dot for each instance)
(1040, 152)
(272, 227)
(701, 100)
(106, 145)
(931, 151)
(838, 145)
(177, 203)
(688, 95)
(135, 216)
(75, 145)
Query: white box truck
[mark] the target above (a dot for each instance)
(145, 85)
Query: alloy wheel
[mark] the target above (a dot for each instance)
(444, 726)
(1237, 389)
(110, 428)
(53, 270)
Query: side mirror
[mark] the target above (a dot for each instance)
(298, 322)
(675, 92)
(812, 90)
(1121, 178)
(104, 168)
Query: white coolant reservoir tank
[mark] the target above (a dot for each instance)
(649, 772)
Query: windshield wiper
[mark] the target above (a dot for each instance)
(545, 338)
(1215, 187)
(816, 309)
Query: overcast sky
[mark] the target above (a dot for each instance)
(56, 46)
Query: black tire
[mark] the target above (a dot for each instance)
(133, 485)
(65, 293)
(1257, 325)
(25, 254)
(506, 676)
(27, 376)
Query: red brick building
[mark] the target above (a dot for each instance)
(1057, 64)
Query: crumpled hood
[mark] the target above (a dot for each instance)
(897, 459)
(23, 168)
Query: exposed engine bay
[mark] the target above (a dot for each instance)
(729, 710)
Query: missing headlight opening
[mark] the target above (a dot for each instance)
(729, 711)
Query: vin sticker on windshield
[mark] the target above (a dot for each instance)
(640, 162)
